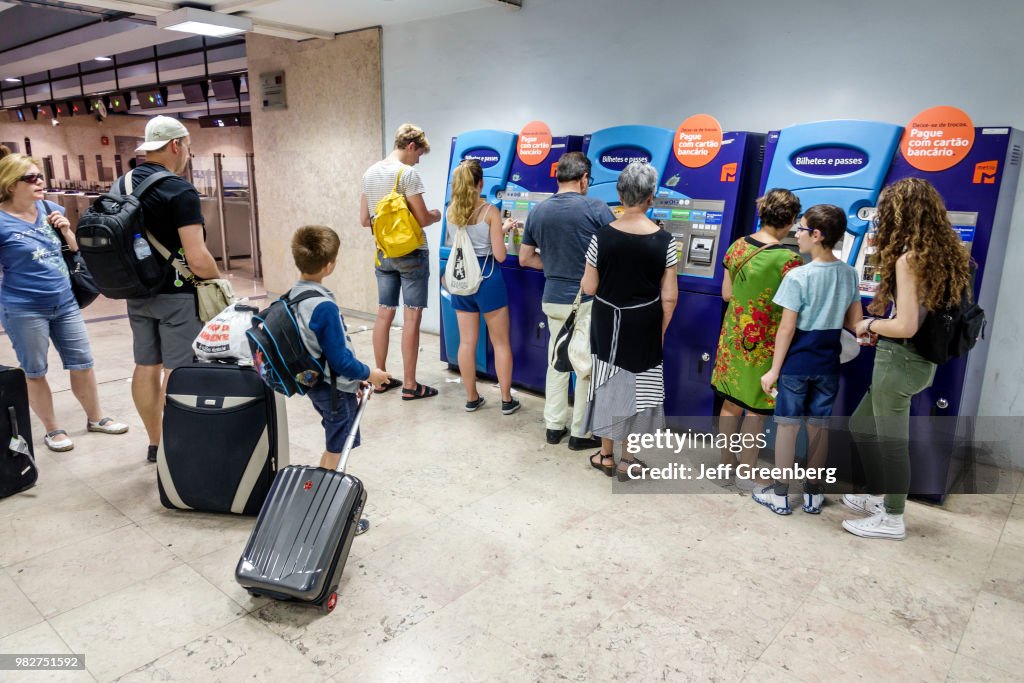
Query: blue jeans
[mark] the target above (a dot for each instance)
(31, 330)
(810, 396)
(408, 274)
(337, 419)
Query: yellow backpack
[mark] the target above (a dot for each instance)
(394, 227)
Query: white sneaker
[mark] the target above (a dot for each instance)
(881, 525)
(813, 502)
(776, 503)
(866, 504)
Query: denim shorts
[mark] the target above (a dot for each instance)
(337, 421)
(163, 329)
(491, 295)
(31, 329)
(410, 274)
(809, 396)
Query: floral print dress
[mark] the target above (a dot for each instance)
(747, 342)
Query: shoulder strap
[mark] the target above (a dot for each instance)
(63, 242)
(164, 252)
(750, 256)
(397, 178)
(305, 296)
(151, 180)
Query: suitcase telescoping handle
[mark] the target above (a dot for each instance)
(351, 438)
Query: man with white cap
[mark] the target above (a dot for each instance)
(163, 326)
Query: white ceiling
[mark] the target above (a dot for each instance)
(294, 19)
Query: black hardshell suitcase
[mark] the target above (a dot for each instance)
(301, 541)
(17, 465)
(225, 435)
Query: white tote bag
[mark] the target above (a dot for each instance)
(462, 275)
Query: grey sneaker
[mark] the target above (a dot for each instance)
(881, 525)
(509, 407)
(473, 406)
(864, 504)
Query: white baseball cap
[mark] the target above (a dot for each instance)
(159, 131)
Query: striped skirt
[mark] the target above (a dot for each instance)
(623, 402)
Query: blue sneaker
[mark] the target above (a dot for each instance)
(774, 502)
(813, 502)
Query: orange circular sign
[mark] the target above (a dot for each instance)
(698, 140)
(534, 143)
(937, 139)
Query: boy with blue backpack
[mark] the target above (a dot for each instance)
(315, 251)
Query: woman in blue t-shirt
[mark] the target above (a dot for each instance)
(36, 303)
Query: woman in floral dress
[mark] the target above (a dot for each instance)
(754, 267)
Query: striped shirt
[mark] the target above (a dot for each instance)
(379, 180)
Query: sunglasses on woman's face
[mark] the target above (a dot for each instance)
(32, 177)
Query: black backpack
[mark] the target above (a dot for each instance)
(105, 236)
(278, 352)
(951, 332)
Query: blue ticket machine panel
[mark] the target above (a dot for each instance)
(612, 149)
(495, 149)
(979, 193)
(516, 188)
(705, 209)
(834, 162)
(528, 186)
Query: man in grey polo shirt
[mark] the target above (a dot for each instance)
(164, 326)
(560, 228)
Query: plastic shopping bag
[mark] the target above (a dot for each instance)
(223, 337)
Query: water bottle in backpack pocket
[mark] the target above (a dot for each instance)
(146, 263)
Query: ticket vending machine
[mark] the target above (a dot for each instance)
(834, 162)
(705, 209)
(979, 193)
(516, 188)
(612, 149)
(495, 149)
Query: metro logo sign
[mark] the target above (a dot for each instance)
(729, 172)
(985, 172)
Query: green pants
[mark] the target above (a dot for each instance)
(881, 423)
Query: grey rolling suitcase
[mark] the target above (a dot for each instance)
(301, 540)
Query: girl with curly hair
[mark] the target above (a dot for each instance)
(923, 267)
(754, 268)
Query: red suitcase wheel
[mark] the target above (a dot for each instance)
(330, 603)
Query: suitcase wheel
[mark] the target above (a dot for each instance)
(328, 605)
(253, 594)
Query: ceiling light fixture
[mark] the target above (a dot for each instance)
(12, 80)
(103, 59)
(203, 23)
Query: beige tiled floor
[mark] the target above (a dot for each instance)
(492, 557)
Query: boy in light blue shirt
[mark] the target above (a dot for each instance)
(817, 299)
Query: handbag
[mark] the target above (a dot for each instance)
(82, 284)
(571, 351)
(213, 295)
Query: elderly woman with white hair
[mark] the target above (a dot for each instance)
(631, 271)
